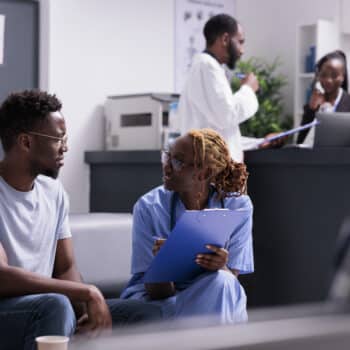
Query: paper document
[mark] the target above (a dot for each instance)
(290, 132)
(195, 229)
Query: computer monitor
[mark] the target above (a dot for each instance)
(333, 130)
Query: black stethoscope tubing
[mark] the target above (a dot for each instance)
(174, 200)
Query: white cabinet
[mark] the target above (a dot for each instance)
(323, 37)
(344, 16)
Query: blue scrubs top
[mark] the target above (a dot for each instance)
(151, 220)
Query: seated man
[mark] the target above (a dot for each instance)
(40, 285)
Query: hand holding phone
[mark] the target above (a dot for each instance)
(319, 87)
(317, 97)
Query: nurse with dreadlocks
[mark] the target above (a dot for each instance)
(198, 173)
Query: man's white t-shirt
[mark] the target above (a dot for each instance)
(207, 101)
(32, 222)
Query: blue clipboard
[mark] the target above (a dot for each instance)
(195, 229)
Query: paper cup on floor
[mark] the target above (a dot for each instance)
(52, 342)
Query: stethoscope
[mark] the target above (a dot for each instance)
(175, 199)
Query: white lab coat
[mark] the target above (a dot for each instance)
(207, 102)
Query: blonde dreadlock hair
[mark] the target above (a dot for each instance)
(228, 177)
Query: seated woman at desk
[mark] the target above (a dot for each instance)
(198, 173)
(330, 89)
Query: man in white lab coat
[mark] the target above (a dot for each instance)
(207, 99)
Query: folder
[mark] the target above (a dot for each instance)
(290, 132)
(195, 229)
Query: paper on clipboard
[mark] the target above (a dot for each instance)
(290, 132)
(195, 229)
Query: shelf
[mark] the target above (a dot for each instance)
(307, 75)
(323, 36)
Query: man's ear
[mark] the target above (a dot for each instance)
(24, 142)
(224, 39)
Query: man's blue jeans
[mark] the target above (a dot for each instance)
(22, 319)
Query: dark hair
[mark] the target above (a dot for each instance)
(22, 112)
(218, 25)
(337, 54)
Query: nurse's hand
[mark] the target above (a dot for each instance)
(213, 262)
(157, 245)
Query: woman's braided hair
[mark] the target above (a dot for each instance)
(228, 177)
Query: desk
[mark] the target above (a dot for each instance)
(119, 178)
(300, 198)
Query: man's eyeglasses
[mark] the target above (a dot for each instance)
(176, 164)
(61, 140)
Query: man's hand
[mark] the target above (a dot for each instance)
(252, 81)
(213, 262)
(274, 144)
(98, 318)
(157, 245)
(82, 320)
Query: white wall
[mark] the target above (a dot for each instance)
(270, 28)
(95, 48)
(98, 48)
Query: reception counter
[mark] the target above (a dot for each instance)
(300, 198)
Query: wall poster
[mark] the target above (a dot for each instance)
(190, 17)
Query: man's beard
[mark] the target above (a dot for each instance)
(233, 55)
(39, 170)
(53, 173)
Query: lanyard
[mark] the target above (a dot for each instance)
(336, 102)
(174, 200)
(328, 107)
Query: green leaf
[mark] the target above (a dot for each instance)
(270, 116)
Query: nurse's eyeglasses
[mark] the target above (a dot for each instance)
(176, 164)
(62, 141)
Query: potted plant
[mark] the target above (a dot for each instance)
(269, 117)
